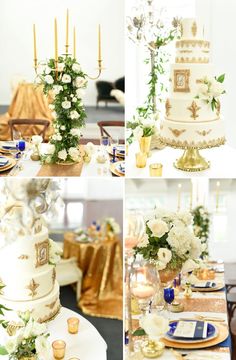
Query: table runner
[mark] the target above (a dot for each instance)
(101, 264)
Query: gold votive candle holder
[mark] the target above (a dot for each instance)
(59, 349)
(155, 169)
(141, 159)
(73, 325)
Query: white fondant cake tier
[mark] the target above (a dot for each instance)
(192, 29)
(23, 253)
(188, 110)
(28, 286)
(194, 134)
(191, 75)
(42, 309)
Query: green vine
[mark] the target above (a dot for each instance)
(201, 227)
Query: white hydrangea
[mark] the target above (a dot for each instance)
(74, 153)
(49, 79)
(75, 132)
(185, 217)
(189, 265)
(66, 104)
(66, 79)
(62, 155)
(158, 227)
(179, 239)
(76, 68)
(138, 133)
(74, 115)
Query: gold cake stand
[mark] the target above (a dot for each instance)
(192, 160)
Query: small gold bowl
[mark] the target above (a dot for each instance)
(176, 307)
(155, 170)
(152, 349)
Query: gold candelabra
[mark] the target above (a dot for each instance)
(100, 67)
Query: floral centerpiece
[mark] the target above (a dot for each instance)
(170, 243)
(111, 226)
(210, 90)
(65, 82)
(27, 339)
(201, 227)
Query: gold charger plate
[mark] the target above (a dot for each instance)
(222, 331)
(110, 152)
(114, 170)
(216, 288)
(11, 164)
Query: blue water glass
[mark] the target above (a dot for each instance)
(105, 140)
(169, 295)
(21, 145)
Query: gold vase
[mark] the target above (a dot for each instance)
(145, 144)
(168, 275)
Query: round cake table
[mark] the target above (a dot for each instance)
(86, 345)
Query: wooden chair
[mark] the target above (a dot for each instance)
(230, 284)
(103, 124)
(40, 126)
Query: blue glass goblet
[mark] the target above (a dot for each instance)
(21, 145)
(169, 295)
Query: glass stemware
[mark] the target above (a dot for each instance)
(169, 296)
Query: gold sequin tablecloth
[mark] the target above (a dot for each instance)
(101, 264)
(28, 102)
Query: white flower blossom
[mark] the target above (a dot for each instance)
(50, 149)
(60, 67)
(57, 89)
(79, 93)
(66, 104)
(80, 82)
(66, 79)
(55, 252)
(164, 255)
(76, 68)
(36, 139)
(63, 128)
(74, 115)
(47, 70)
(75, 132)
(62, 154)
(42, 347)
(138, 133)
(49, 79)
(154, 325)
(158, 227)
(74, 154)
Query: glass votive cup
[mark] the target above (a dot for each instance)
(155, 169)
(73, 325)
(21, 145)
(141, 159)
(59, 349)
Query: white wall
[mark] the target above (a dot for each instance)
(16, 39)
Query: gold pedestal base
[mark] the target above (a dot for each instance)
(191, 160)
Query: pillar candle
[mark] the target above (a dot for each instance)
(56, 40)
(99, 44)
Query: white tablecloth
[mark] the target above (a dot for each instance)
(86, 345)
(222, 161)
(31, 168)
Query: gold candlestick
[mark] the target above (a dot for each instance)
(35, 48)
(74, 41)
(179, 196)
(67, 31)
(217, 195)
(56, 46)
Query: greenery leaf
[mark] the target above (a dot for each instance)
(3, 350)
(139, 332)
(221, 78)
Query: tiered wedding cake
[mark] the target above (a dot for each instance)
(191, 121)
(29, 279)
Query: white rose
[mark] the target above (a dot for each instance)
(51, 106)
(138, 133)
(38, 329)
(164, 255)
(66, 79)
(42, 347)
(63, 127)
(66, 104)
(60, 67)
(50, 149)
(148, 123)
(12, 344)
(75, 132)
(154, 325)
(203, 88)
(49, 79)
(158, 227)
(36, 139)
(57, 89)
(79, 93)
(80, 82)
(74, 115)
(62, 154)
(189, 265)
(47, 70)
(74, 153)
(74, 99)
(76, 68)
(185, 217)
(217, 88)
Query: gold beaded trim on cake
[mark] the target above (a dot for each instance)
(193, 43)
(51, 316)
(177, 132)
(193, 60)
(204, 132)
(53, 275)
(177, 144)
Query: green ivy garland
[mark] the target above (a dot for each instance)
(201, 226)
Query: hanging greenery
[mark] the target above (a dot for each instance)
(201, 227)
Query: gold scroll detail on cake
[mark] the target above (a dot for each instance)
(218, 108)
(23, 257)
(194, 110)
(193, 43)
(13, 327)
(52, 304)
(53, 275)
(177, 132)
(178, 144)
(42, 253)
(2, 285)
(194, 28)
(204, 132)
(50, 316)
(186, 51)
(32, 287)
(168, 107)
(193, 60)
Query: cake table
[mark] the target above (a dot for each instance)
(86, 345)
